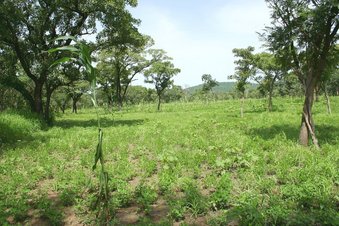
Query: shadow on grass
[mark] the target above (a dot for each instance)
(263, 109)
(269, 133)
(10, 135)
(69, 123)
(325, 133)
(27, 140)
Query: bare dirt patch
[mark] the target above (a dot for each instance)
(128, 215)
(159, 211)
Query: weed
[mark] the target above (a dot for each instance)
(149, 166)
(177, 209)
(145, 196)
(220, 198)
(194, 201)
(49, 211)
(124, 195)
(68, 197)
(166, 179)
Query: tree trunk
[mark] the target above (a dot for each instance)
(119, 103)
(270, 92)
(270, 105)
(75, 109)
(118, 92)
(328, 104)
(316, 93)
(47, 106)
(242, 106)
(307, 128)
(38, 105)
(159, 102)
(109, 100)
(63, 105)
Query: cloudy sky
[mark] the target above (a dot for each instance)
(199, 35)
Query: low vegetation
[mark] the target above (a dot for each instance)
(192, 163)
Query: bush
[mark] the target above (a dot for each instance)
(17, 126)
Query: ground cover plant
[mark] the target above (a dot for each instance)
(191, 163)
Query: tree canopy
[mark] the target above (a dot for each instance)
(208, 82)
(160, 73)
(29, 30)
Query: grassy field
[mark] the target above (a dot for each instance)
(190, 164)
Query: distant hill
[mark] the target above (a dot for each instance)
(223, 87)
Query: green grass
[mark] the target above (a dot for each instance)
(202, 159)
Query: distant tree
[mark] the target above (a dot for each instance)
(289, 85)
(304, 33)
(269, 70)
(175, 93)
(75, 91)
(208, 83)
(243, 71)
(330, 74)
(119, 64)
(161, 73)
(61, 98)
(136, 95)
(333, 84)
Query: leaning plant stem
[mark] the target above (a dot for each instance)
(83, 54)
(94, 100)
(103, 173)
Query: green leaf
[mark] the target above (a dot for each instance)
(98, 153)
(64, 48)
(66, 38)
(62, 60)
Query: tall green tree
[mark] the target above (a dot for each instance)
(268, 71)
(118, 66)
(304, 33)
(28, 30)
(208, 83)
(161, 73)
(243, 71)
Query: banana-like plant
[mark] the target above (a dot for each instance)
(81, 53)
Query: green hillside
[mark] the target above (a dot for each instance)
(223, 87)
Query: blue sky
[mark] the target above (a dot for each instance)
(200, 34)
